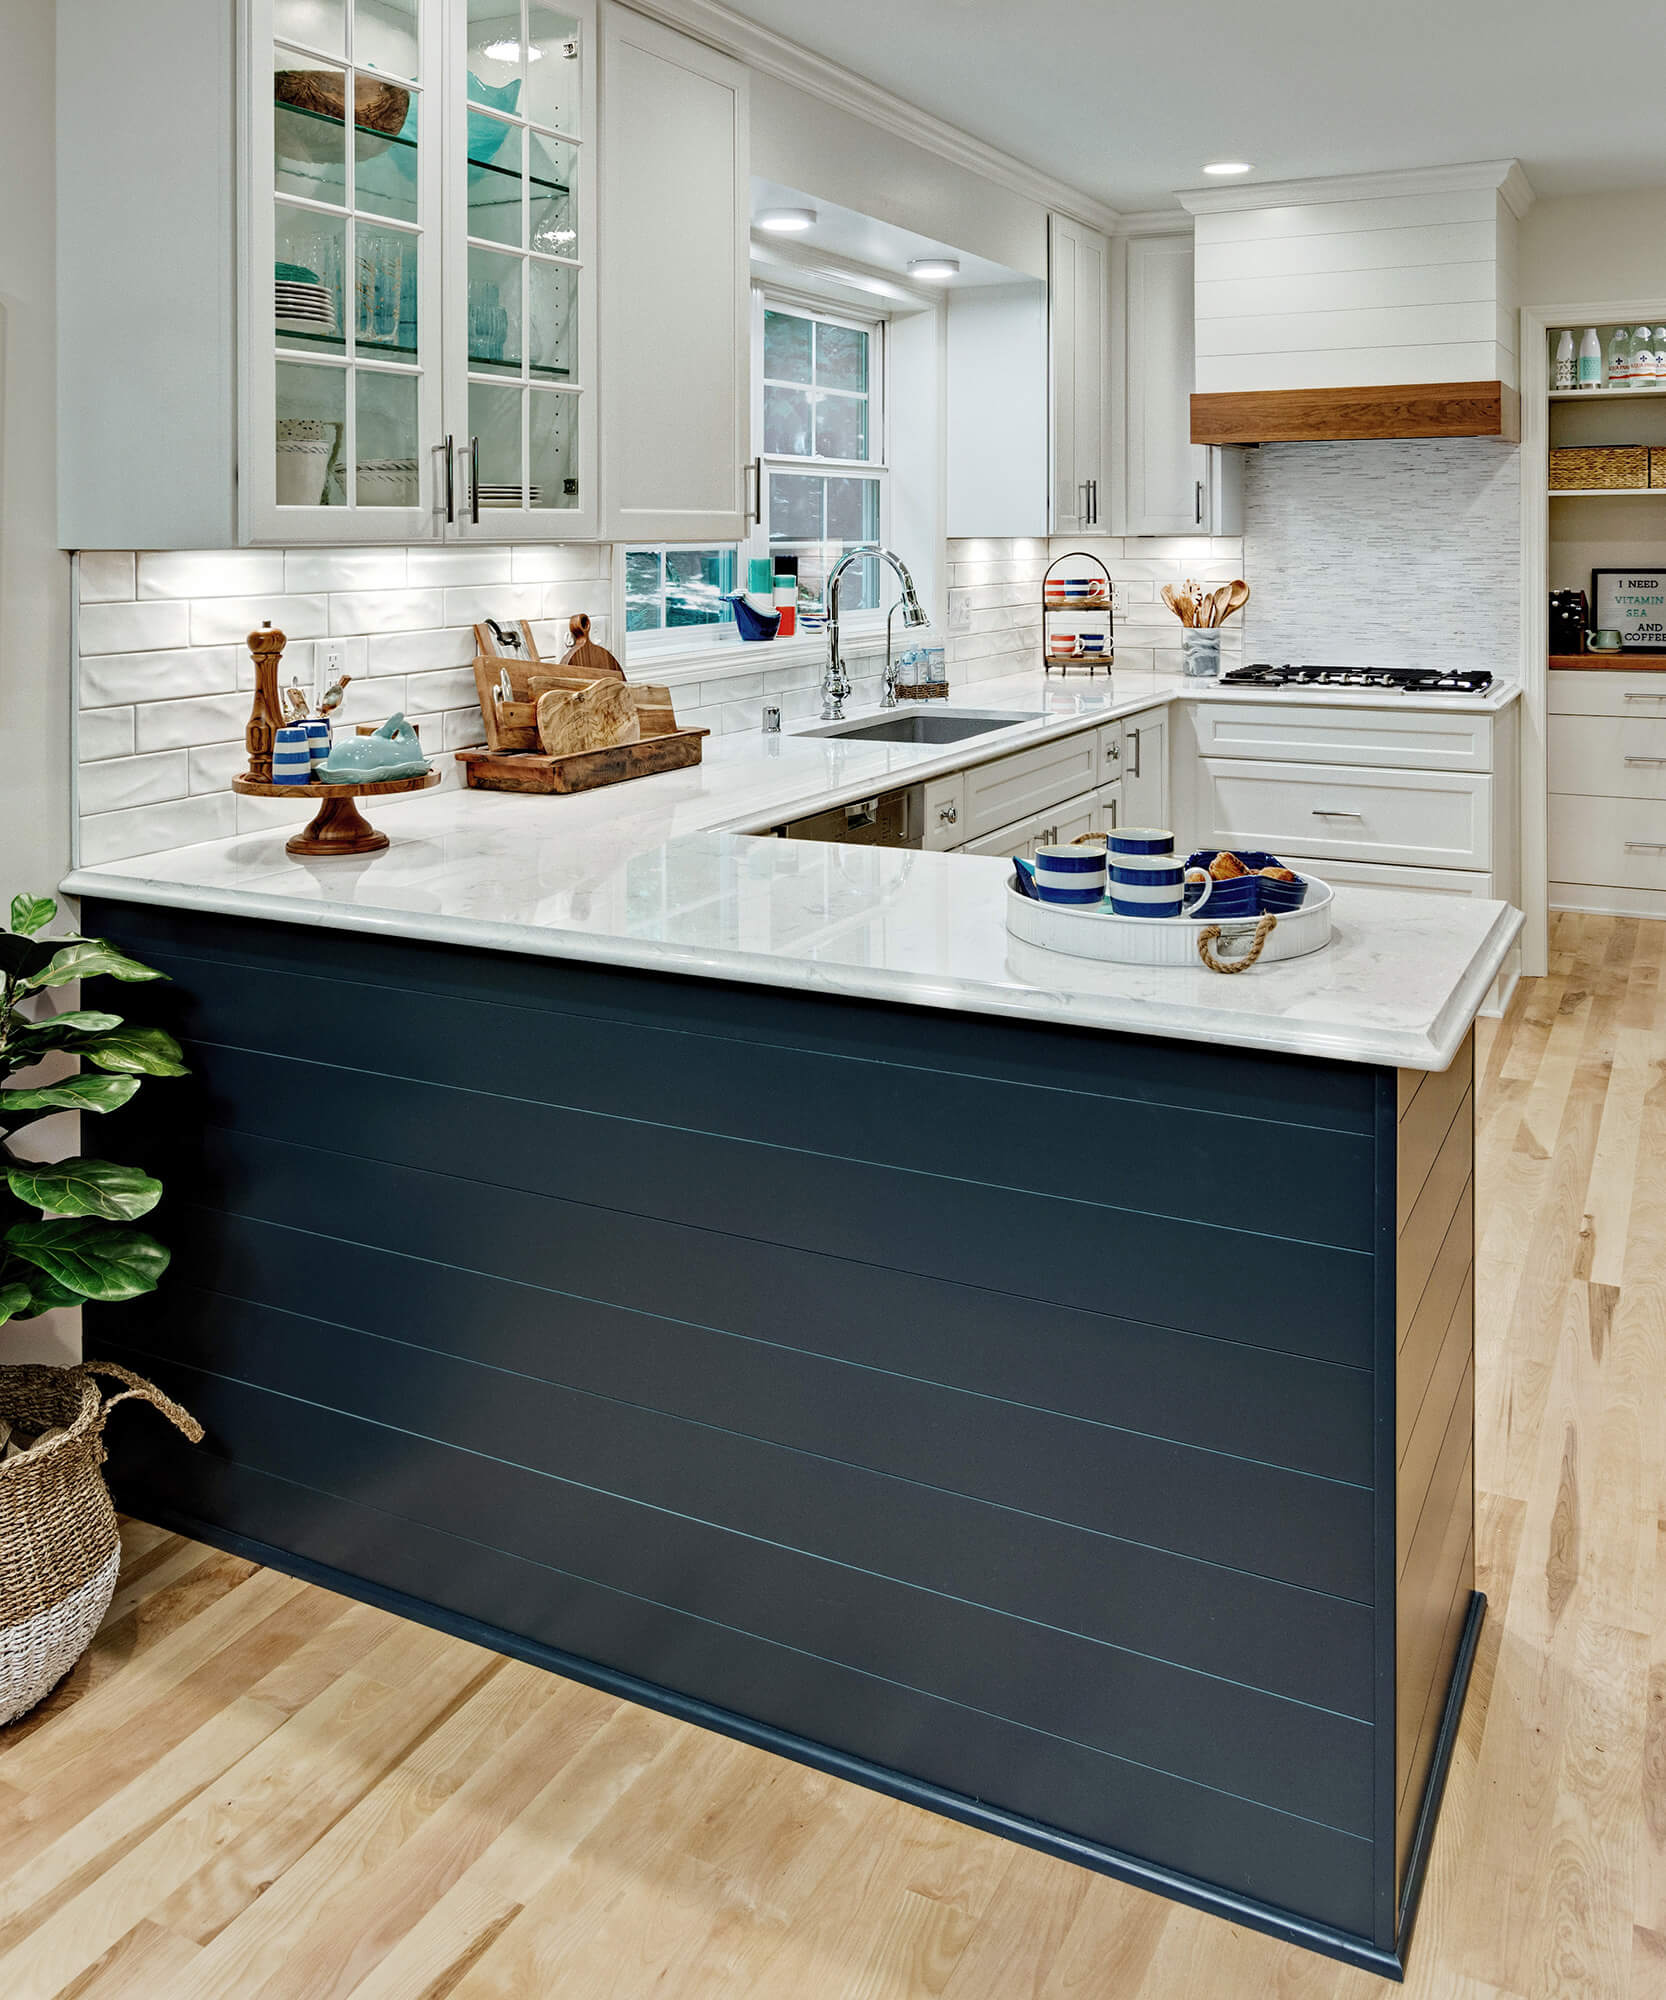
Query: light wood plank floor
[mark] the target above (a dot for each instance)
(253, 1788)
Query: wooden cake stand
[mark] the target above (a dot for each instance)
(338, 827)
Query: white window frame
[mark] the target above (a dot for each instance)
(877, 465)
(673, 638)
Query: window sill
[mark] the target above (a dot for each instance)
(718, 660)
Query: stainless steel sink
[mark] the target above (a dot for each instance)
(922, 725)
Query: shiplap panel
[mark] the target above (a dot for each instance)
(1415, 326)
(1344, 218)
(1349, 368)
(1393, 285)
(1370, 250)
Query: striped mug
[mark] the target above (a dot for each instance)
(1153, 885)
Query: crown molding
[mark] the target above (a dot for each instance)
(1154, 222)
(1506, 176)
(762, 49)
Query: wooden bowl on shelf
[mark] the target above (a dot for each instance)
(377, 106)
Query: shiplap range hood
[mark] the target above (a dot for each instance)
(1372, 306)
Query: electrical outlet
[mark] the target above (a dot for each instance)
(328, 656)
(1117, 605)
(960, 611)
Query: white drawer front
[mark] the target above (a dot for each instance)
(1428, 819)
(1295, 732)
(943, 811)
(1065, 821)
(1392, 875)
(1621, 842)
(1010, 789)
(1597, 691)
(1609, 756)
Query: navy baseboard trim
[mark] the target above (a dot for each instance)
(1273, 1922)
(1446, 1741)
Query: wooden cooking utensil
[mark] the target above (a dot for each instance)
(1237, 598)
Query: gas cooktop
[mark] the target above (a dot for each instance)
(1403, 680)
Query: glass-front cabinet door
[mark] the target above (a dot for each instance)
(520, 304)
(342, 284)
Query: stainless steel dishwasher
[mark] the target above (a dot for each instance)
(882, 821)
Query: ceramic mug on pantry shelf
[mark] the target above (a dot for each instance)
(1073, 873)
(1153, 885)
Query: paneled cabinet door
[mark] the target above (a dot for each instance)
(520, 284)
(1145, 765)
(675, 307)
(1174, 487)
(341, 271)
(1078, 292)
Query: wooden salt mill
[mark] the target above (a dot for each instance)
(266, 715)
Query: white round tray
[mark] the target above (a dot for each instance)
(1100, 933)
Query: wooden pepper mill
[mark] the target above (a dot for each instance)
(266, 715)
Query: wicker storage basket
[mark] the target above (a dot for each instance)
(1657, 466)
(59, 1552)
(1598, 468)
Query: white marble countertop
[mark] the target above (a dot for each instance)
(661, 873)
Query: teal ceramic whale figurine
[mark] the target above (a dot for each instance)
(393, 752)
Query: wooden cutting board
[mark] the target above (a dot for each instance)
(596, 717)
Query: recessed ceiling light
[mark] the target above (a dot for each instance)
(934, 268)
(1230, 167)
(510, 52)
(786, 221)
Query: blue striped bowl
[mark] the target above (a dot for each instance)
(1249, 895)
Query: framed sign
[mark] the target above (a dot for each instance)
(1633, 602)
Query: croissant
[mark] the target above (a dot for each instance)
(1225, 866)
(1276, 874)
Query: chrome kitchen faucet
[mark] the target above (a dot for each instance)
(835, 682)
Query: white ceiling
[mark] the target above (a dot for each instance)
(1127, 103)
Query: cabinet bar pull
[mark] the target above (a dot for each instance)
(450, 490)
(753, 473)
(1199, 490)
(1136, 734)
(1646, 847)
(1093, 503)
(1646, 760)
(474, 480)
(1334, 812)
(1647, 697)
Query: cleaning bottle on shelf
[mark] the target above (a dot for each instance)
(1619, 358)
(1564, 375)
(1590, 359)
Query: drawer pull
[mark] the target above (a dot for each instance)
(1646, 760)
(1334, 812)
(1646, 847)
(1647, 697)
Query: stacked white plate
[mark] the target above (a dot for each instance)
(304, 308)
(495, 493)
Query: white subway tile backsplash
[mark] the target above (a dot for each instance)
(458, 566)
(127, 677)
(210, 572)
(344, 569)
(449, 687)
(228, 621)
(106, 576)
(214, 765)
(372, 698)
(146, 829)
(133, 628)
(417, 652)
(104, 732)
(560, 563)
(176, 725)
(386, 610)
(564, 600)
(474, 602)
(116, 783)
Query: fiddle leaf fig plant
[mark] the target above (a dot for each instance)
(64, 1224)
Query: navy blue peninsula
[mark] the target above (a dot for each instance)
(748, 1282)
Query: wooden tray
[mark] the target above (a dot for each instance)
(338, 827)
(532, 771)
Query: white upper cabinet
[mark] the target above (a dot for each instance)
(1079, 327)
(1168, 476)
(675, 302)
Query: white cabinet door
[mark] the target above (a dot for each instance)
(1009, 789)
(1078, 267)
(1174, 487)
(1145, 769)
(341, 367)
(1282, 732)
(675, 311)
(520, 273)
(1428, 819)
(1063, 822)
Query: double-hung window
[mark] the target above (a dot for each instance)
(819, 419)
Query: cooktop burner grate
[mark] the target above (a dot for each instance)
(1404, 680)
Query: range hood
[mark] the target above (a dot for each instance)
(1372, 306)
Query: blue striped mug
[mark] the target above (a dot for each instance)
(1071, 874)
(1153, 885)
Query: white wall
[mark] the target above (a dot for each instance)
(1594, 247)
(34, 577)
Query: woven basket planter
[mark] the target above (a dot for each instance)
(59, 1551)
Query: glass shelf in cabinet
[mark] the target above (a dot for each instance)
(326, 118)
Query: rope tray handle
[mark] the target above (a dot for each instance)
(1208, 936)
(146, 1392)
